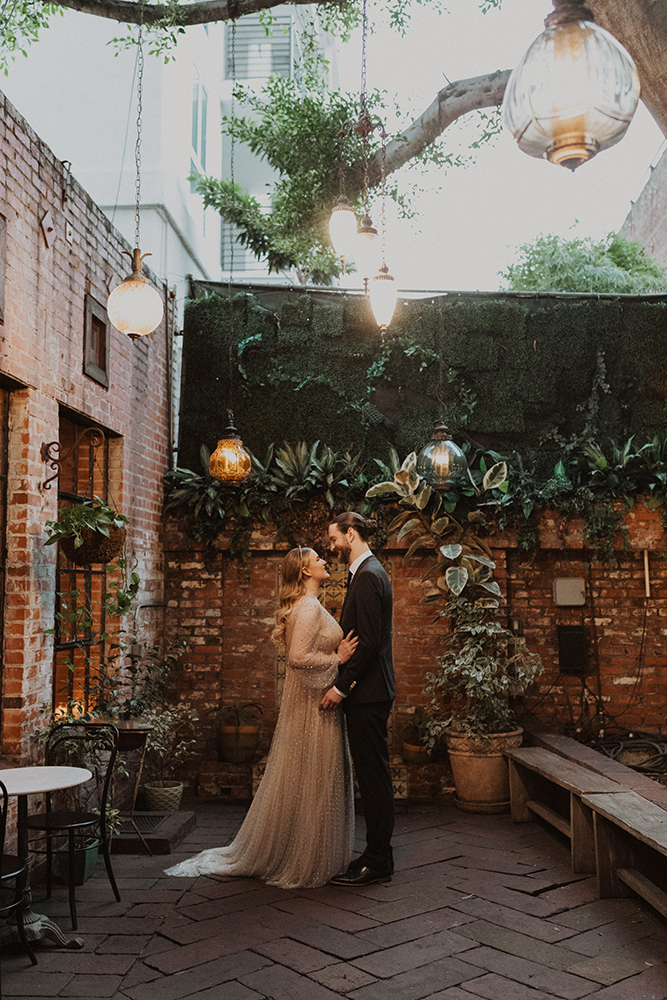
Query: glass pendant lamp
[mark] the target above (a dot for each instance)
(574, 92)
(230, 463)
(441, 462)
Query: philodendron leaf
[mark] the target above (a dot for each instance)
(496, 475)
(451, 551)
(398, 521)
(419, 543)
(439, 525)
(423, 497)
(409, 526)
(484, 560)
(456, 577)
(492, 587)
(376, 491)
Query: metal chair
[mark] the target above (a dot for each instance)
(12, 869)
(79, 745)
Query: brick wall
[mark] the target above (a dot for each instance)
(41, 350)
(226, 611)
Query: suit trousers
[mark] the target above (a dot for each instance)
(367, 735)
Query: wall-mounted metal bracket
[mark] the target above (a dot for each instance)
(50, 451)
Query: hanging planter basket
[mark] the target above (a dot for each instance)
(96, 548)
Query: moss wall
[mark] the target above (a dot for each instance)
(511, 370)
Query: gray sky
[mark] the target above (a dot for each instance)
(471, 220)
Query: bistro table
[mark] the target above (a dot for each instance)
(25, 781)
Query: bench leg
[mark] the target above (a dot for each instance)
(582, 837)
(519, 795)
(612, 852)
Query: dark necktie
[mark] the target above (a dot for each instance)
(349, 579)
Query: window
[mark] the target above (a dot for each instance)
(199, 123)
(258, 54)
(96, 342)
(80, 621)
(245, 261)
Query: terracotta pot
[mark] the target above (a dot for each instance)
(480, 770)
(96, 548)
(163, 796)
(237, 744)
(415, 753)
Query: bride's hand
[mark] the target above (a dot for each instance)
(347, 647)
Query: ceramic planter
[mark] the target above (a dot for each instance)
(85, 860)
(163, 796)
(480, 770)
(415, 753)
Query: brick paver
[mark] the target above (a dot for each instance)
(479, 909)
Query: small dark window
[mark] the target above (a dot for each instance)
(96, 343)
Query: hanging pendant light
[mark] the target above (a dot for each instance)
(574, 92)
(441, 462)
(343, 229)
(383, 296)
(367, 248)
(134, 306)
(383, 291)
(229, 463)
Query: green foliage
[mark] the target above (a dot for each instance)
(613, 264)
(94, 514)
(172, 742)
(483, 666)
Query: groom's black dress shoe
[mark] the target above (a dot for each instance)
(360, 876)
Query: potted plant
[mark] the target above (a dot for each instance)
(88, 532)
(237, 733)
(483, 667)
(484, 663)
(171, 744)
(415, 735)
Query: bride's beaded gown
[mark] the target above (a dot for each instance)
(298, 830)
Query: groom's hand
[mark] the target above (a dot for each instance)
(330, 700)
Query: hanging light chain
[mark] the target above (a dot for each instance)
(363, 102)
(137, 147)
(231, 154)
(383, 168)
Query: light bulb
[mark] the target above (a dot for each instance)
(134, 306)
(343, 229)
(383, 295)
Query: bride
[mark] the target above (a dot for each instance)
(298, 830)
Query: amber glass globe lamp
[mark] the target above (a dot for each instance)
(574, 92)
(441, 463)
(230, 463)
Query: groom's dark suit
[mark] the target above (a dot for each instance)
(367, 681)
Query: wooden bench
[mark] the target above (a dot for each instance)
(631, 846)
(544, 784)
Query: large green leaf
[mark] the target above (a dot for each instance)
(439, 525)
(484, 560)
(456, 577)
(419, 543)
(496, 475)
(408, 527)
(451, 551)
(399, 521)
(380, 488)
(492, 588)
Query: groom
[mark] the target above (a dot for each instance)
(366, 687)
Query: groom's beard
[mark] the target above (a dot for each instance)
(343, 552)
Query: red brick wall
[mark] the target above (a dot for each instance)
(228, 618)
(41, 347)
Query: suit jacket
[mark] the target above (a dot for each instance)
(367, 610)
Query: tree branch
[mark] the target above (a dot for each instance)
(453, 101)
(200, 12)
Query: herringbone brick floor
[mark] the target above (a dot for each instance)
(478, 908)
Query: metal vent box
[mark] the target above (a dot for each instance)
(569, 591)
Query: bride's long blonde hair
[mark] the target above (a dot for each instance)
(292, 587)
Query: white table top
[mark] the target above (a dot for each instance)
(32, 780)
